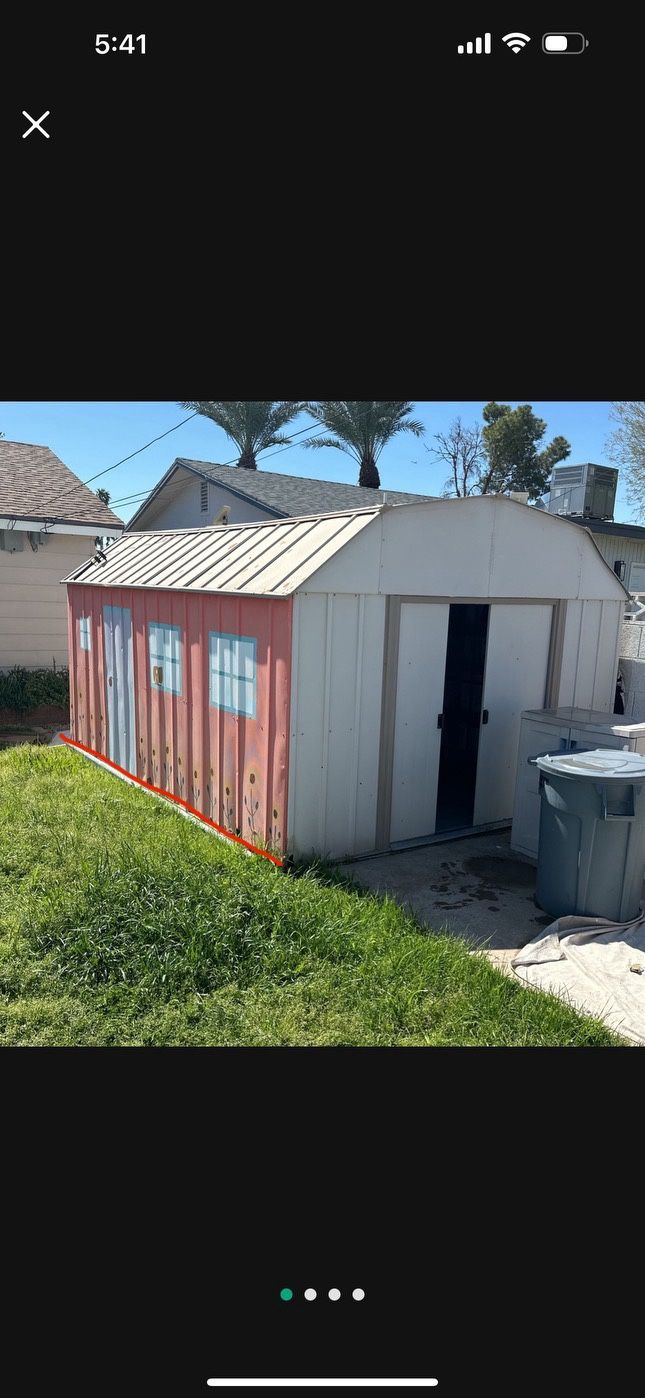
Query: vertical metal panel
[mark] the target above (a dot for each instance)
(186, 746)
(419, 699)
(119, 663)
(590, 651)
(587, 655)
(570, 648)
(604, 692)
(388, 711)
(338, 652)
(341, 755)
(307, 723)
(517, 657)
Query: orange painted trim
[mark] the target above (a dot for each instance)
(158, 791)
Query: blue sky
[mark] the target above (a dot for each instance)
(90, 436)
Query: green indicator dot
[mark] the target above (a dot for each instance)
(286, 1294)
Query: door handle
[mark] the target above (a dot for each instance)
(485, 716)
(110, 681)
(439, 720)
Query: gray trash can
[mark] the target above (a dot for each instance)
(591, 852)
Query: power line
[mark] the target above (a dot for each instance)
(316, 432)
(74, 488)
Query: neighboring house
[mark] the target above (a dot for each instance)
(192, 494)
(48, 523)
(347, 682)
(623, 547)
(585, 493)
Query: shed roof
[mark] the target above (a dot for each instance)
(418, 549)
(266, 559)
(36, 484)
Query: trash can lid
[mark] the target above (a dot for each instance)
(601, 764)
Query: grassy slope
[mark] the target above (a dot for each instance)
(123, 923)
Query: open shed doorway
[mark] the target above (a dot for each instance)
(461, 716)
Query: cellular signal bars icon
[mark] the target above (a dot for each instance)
(476, 46)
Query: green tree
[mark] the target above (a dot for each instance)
(252, 426)
(626, 448)
(362, 430)
(103, 495)
(511, 438)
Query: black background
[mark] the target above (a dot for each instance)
(155, 1203)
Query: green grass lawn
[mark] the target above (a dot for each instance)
(121, 922)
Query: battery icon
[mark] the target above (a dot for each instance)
(564, 43)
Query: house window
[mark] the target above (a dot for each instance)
(85, 633)
(637, 577)
(232, 661)
(204, 497)
(165, 656)
(619, 568)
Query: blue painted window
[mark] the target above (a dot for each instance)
(232, 666)
(164, 643)
(85, 633)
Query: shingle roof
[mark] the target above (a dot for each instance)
(291, 495)
(608, 526)
(35, 484)
(271, 558)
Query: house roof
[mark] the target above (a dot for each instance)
(36, 485)
(284, 496)
(267, 559)
(607, 526)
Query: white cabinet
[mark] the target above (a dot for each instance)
(560, 730)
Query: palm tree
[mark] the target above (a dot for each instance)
(252, 426)
(362, 430)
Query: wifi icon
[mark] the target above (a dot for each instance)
(516, 42)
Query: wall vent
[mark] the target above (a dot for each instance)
(204, 497)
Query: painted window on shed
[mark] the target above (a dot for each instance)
(85, 633)
(232, 672)
(164, 643)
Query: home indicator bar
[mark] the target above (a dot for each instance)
(322, 1383)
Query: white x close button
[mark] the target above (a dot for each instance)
(35, 125)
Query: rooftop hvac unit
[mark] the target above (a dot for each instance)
(587, 491)
(522, 496)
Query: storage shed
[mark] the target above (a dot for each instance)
(341, 683)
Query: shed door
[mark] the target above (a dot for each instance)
(419, 698)
(119, 681)
(517, 658)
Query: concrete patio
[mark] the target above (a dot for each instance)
(476, 888)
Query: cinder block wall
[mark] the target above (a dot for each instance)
(632, 642)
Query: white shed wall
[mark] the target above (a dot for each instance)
(489, 547)
(590, 655)
(337, 674)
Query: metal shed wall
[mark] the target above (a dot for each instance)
(232, 768)
(485, 549)
(338, 641)
(589, 660)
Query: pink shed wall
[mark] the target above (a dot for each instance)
(232, 768)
